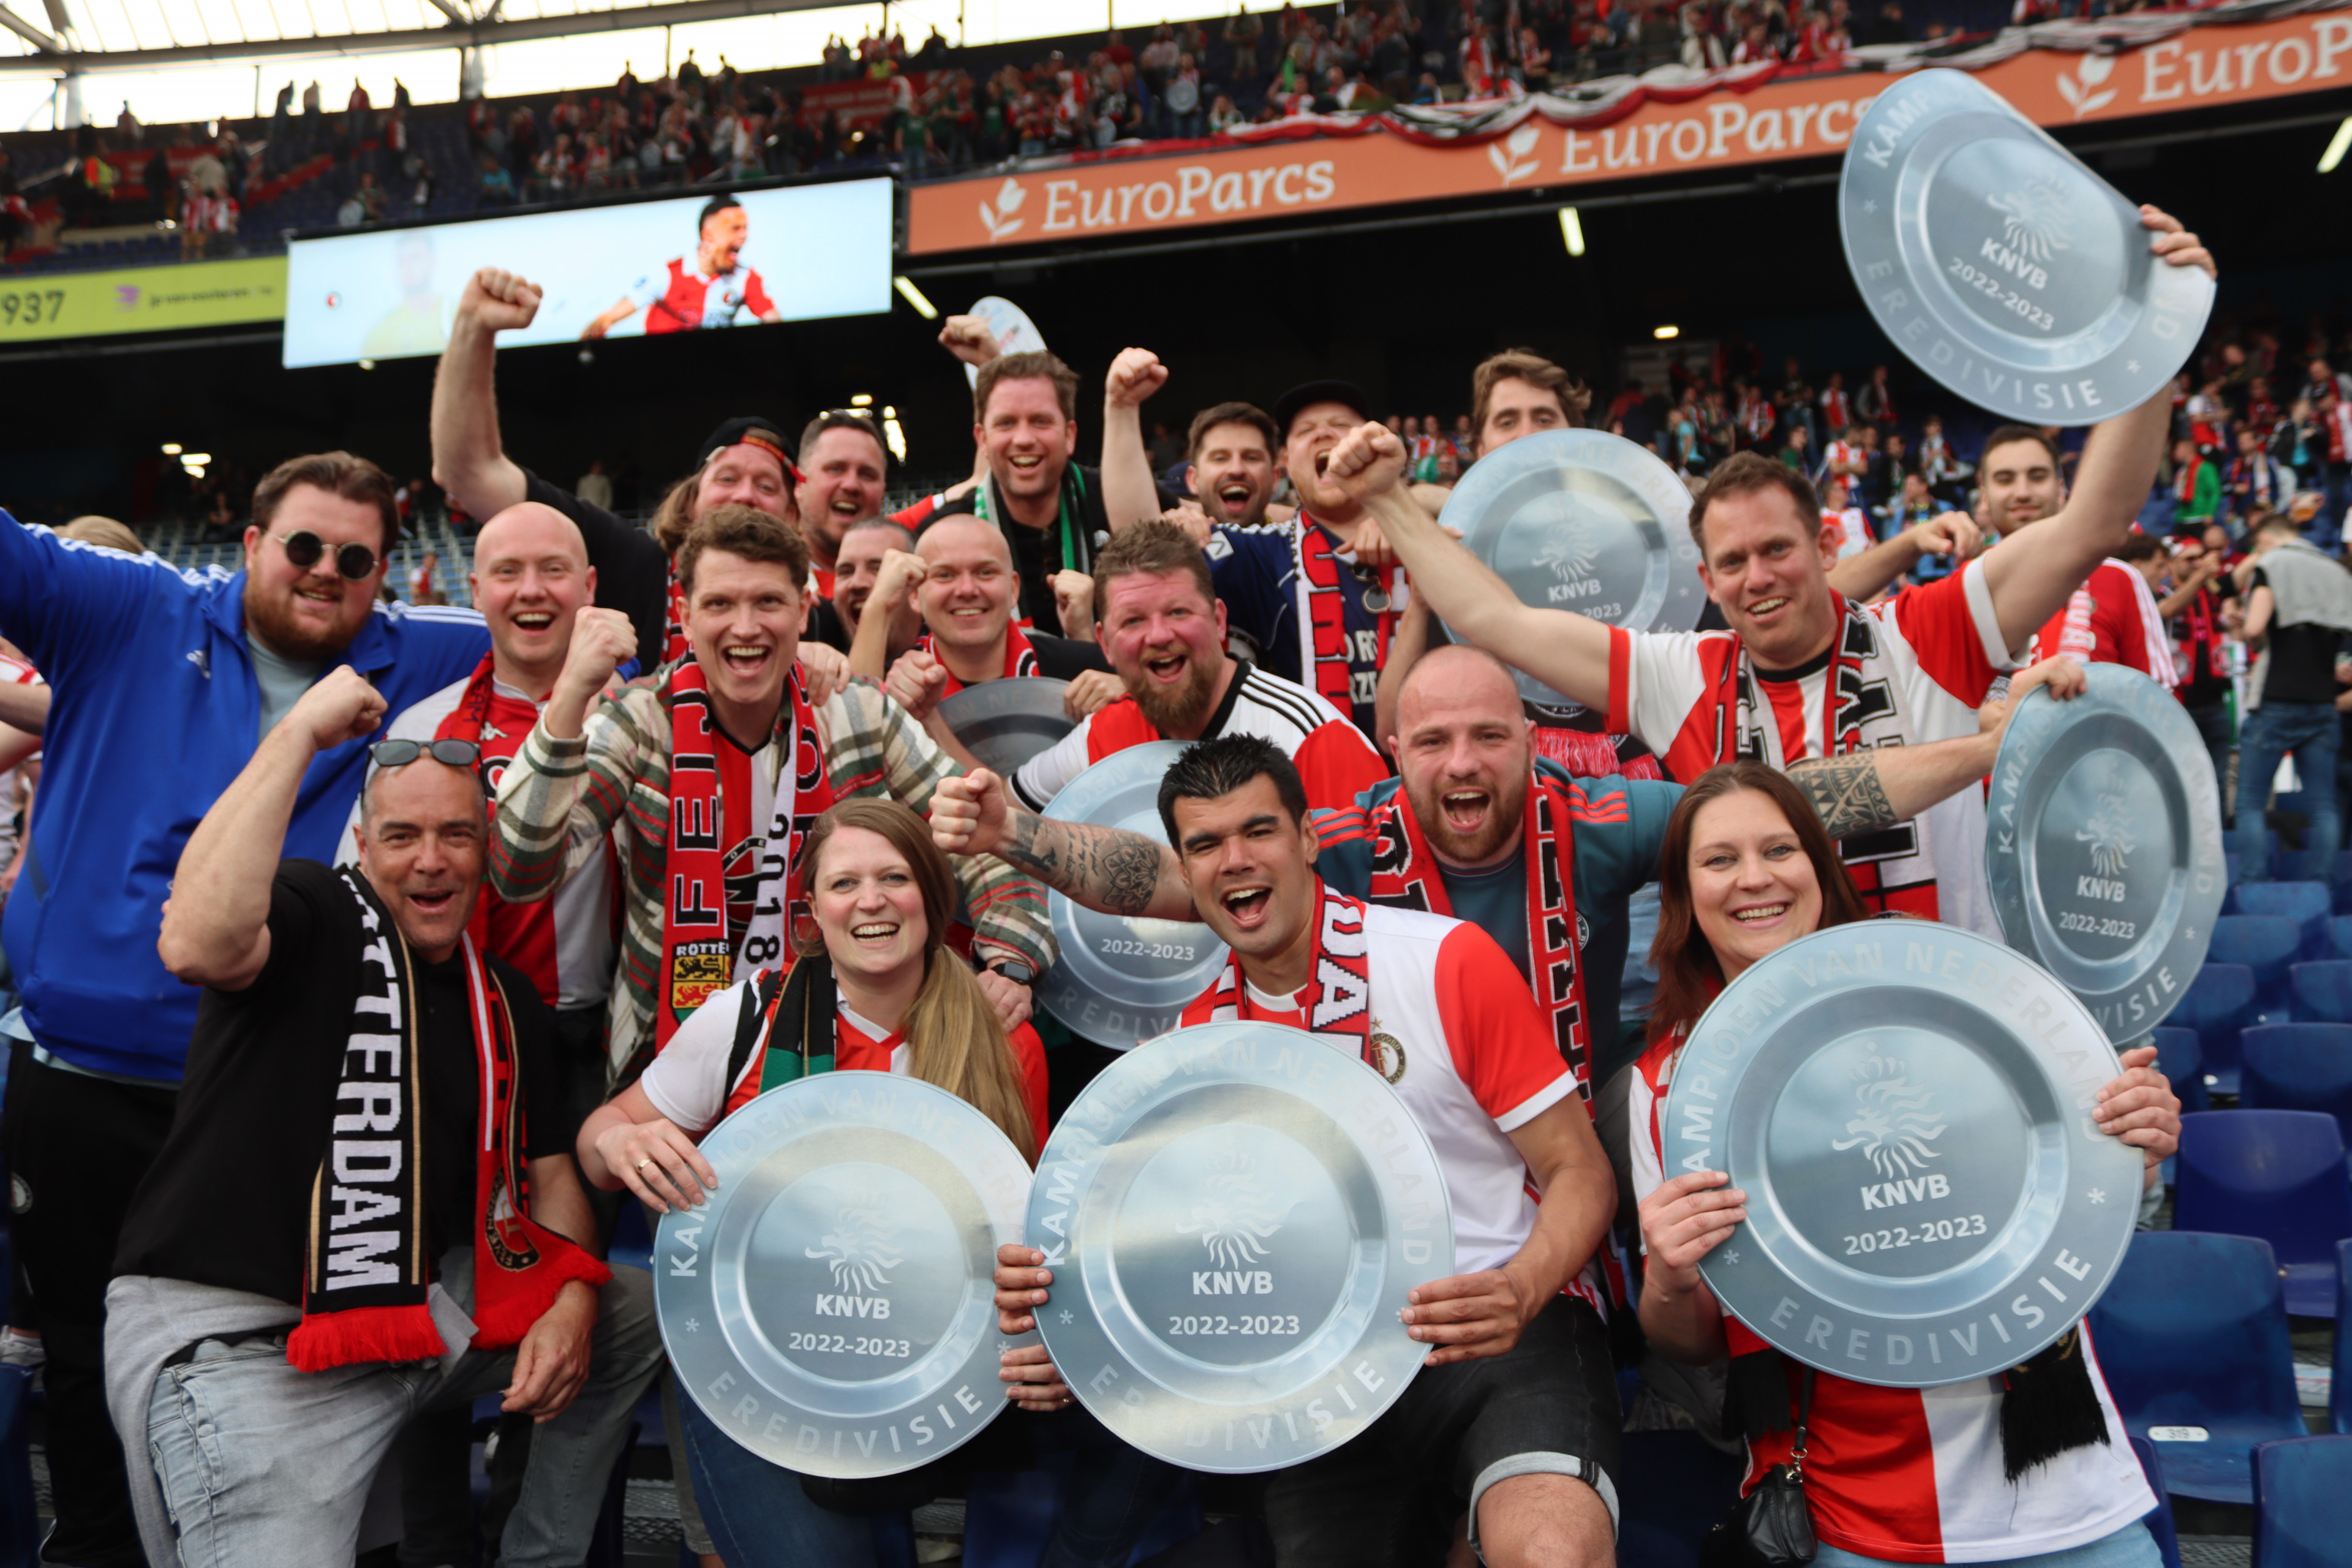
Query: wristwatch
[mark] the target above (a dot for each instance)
(1014, 969)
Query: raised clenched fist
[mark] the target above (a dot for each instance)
(1134, 376)
(501, 301)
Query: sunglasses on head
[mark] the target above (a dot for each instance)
(305, 548)
(449, 754)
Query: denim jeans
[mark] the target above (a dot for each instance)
(2130, 1547)
(263, 1465)
(759, 1517)
(2309, 731)
(2212, 722)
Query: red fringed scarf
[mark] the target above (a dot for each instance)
(1340, 983)
(1405, 876)
(697, 958)
(1326, 651)
(364, 1293)
(1019, 657)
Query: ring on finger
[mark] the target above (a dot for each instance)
(644, 1162)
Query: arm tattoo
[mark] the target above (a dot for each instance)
(1102, 868)
(1847, 793)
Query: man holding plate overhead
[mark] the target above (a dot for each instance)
(1801, 671)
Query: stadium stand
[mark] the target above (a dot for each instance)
(2279, 1176)
(2298, 1066)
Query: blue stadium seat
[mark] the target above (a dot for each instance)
(2322, 990)
(2298, 1066)
(2231, 845)
(2339, 1385)
(2302, 865)
(2192, 1339)
(20, 1525)
(1009, 1516)
(2303, 1502)
(1674, 1487)
(2267, 944)
(2160, 1522)
(2217, 1003)
(2275, 1175)
(894, 1542)
(2341, 927)
(2181, 1057)
(2340, 882)
(2309, 904)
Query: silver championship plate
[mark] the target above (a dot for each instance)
(2003, 267)
(1233, 1215)
(1582, 520)
(1123, 978)
(1907, 1107)
(2104, 846)
(831, 1306)
(1003, 723)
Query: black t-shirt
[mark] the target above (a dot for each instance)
(632, 572)
(227, 1199)
(826, 626)
(2303, 659)
(1065, 659)
(1038, 553)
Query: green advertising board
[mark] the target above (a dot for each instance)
(141, 299)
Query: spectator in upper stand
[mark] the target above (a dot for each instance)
(2298, 613)
(2256, 482)
(1837, 409)
(1182, 99)
(2196, 487)
(1875, 402)
(1796, 451)
(1702, 45)
(494, 185)
(1243, 32)
(595, 486)
(2333, 459)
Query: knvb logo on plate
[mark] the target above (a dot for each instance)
(1569, 555)
(860, 1249)
(997, 219)
(1894, 1125)
(1235, 1222)
(2110, 836)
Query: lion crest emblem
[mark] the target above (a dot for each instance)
(2110, 836)
(1570, 553)
(1894, 1120)
(1237, 1216)
(2035, 219)
(860, 1247)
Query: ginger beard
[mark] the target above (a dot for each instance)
(1166, 637)
(1462, 746)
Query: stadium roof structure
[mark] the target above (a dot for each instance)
(70, 36)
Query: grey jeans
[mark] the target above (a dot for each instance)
(261, 1465)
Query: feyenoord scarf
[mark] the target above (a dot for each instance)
(791, 1020)
(1326, 662)
(1405, 876)
(1019, 657)
(367, 1275)
(698, 959)
(1341, 982)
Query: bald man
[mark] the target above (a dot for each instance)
(960, 580)
(532, 584)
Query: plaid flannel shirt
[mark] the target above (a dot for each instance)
(559, 798)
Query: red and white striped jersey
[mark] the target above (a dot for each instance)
(2110, 620)
(1905, 672)
(567, 945)
(1915, 1475)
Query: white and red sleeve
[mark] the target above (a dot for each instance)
(688, 1082)
(1337, 764)
(1955, 633)
(1502, 1046)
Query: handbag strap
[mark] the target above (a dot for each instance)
(1804, 1416)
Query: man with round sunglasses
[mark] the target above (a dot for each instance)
(162, 684)
(743, 462)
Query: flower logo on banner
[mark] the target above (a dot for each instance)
(1507, 155)
(2092, 70)
(126, 295)
(999, 220)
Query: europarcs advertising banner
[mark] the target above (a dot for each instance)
(716, 258)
